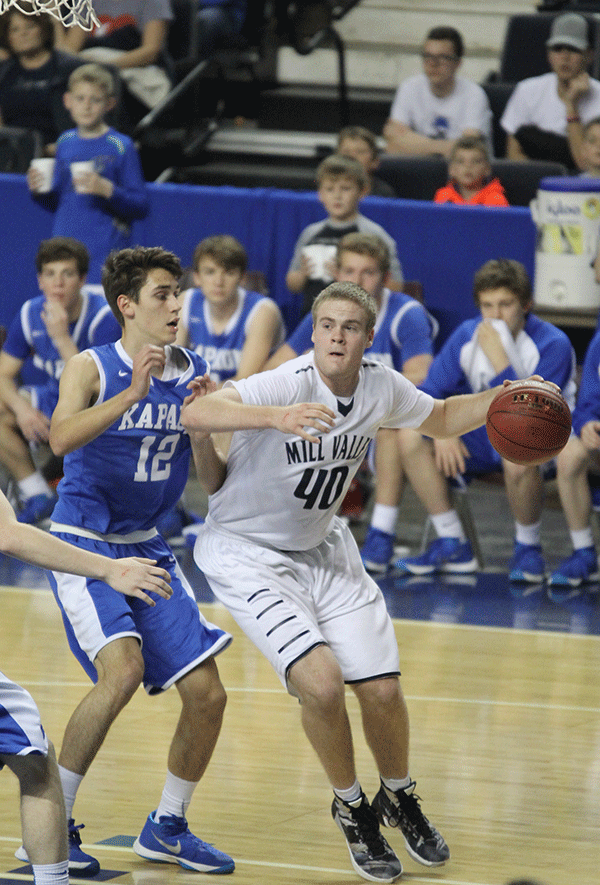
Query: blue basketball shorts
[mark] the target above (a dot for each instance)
(44, 397)
(21, 730)
(174, 636)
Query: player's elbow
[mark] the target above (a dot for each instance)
(58, 442)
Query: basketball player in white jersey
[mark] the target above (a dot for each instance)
(24, 747)
(306, 600)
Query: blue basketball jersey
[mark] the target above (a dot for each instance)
(123, 480)
(27, 335)
(223, 351)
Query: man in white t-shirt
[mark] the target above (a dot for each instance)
(275, 553)
(545, 115)
(431, 110)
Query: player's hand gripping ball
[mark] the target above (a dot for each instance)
(528, 422)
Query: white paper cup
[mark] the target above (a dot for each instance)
(45, 166)
(320, 254)
(80, 168)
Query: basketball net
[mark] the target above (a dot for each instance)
(69, 12)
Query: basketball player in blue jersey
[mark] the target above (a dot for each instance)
(233, 329)
(126, 457)
(505, 341)
(403, 339)
(24, 747)
(291, 574)
(50, 328)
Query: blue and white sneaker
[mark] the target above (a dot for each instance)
(579, 568)
(443, 555)
(377, 550)
(37, 508)
(81, 865)
(169, 841)
(527, 564)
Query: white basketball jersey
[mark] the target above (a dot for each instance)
(283, 491)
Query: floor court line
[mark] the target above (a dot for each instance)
(427, 699)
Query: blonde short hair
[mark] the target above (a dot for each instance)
(347, 292)
(96, 74)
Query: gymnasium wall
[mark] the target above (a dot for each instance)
(441, 246)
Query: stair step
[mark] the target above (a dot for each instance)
(317, 108)
(242, 174)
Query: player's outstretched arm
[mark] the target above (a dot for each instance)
(458, 415)
(224, 410)
(131, 576)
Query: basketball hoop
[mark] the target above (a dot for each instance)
(69, 12)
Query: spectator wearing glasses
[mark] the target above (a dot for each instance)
(545, 116)
(431, 110)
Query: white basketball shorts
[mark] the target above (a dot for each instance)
(288, 603)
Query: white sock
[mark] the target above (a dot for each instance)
(582, 538)
(176, 797)
(448, 525)
(351, 795)
(396, 783)
(33, 485)
(385, 518)
(70, 782)
(528, 534)
(51, 873)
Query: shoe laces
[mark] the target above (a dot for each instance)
(365, 827)
(411, 814)
(173, 826)
(74, 836)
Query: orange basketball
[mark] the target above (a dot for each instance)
(528, 422)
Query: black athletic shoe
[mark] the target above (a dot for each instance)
(401, 809)
(371, 856)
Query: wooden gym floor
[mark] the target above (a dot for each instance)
(502, 688)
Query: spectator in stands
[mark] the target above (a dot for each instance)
(590, 149)
(98, 205)
(34, 77)
(431, 110)
(49, 328)
(219, 21)
(545, 115)
(581, 455)
(471, 182)
(341, 183)
(131, 36)
(360, 144)
(505, 341)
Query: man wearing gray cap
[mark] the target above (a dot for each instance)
(545, 115)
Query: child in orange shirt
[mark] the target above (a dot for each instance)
(471, 182)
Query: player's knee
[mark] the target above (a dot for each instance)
(325, 696)
(409, 442)
(121, 674)
(572, 459)
(214, 700)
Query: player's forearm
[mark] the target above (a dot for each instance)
(216, 413)
(295, 280)
(10, 396)
(65, 346)
(42, 549)
(76, 430)
(211, 466)
(458, 415)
